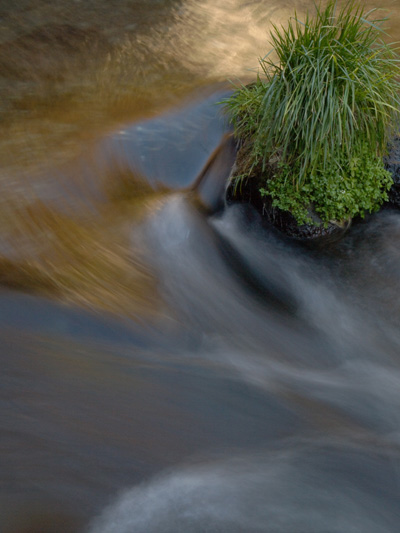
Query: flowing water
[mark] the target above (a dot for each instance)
(170, 363)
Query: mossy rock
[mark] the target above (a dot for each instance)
(247, 190)
(314, 126)
(392, 164)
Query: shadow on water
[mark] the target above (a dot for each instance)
(170, 363)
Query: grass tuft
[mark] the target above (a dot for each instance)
(325, 110)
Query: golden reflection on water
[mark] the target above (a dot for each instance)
(72, 72)
(87, 260)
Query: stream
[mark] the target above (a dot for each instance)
(171, 363)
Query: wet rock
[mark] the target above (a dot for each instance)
(392, 163)
(211, 183)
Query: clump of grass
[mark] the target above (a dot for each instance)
(323, 112)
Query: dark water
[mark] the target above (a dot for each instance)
(170, 363)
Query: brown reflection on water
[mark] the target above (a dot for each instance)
(84, 252)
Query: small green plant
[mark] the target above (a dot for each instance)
(317, 121)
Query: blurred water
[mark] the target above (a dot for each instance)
(171, 363)
(310, 487)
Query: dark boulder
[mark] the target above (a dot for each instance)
(392, 163)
